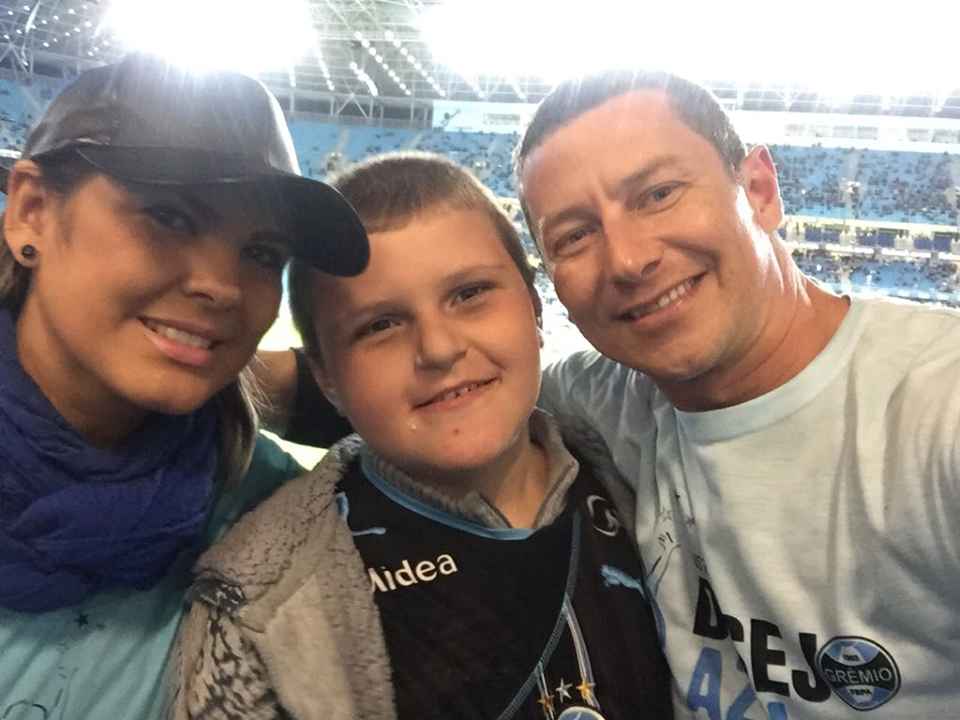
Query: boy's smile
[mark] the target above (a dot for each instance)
(433, 352)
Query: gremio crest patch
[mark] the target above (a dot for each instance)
(860, 671)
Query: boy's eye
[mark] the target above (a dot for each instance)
(171, 218)
(471, 291)
(375, 327)
(268, 256)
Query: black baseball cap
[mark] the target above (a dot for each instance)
(145, 120)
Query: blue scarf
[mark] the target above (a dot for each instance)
(75, 519)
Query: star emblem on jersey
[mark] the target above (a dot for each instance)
(546, 702)
(586, 690)
(563, 690)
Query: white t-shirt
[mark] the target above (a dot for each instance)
(820, 519)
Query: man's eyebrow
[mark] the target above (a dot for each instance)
(643, 175)
(573, 212)
(639, 177)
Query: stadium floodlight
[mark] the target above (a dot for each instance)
(833, 47)
(215, 34)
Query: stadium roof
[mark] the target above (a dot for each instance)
(367, 56)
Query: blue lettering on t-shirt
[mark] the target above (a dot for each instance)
(777, 711)
(704, 691)
(744, 701)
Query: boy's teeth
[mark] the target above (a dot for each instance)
(457, 393)
(179, 335)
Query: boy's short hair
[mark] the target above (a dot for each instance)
(390, 190)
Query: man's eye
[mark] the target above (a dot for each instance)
(171, 218)
(662, 193)
(268, 256)
(566, 242)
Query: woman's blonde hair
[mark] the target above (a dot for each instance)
(237, 403)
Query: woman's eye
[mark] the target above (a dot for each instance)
(171, 218)
(268, 256)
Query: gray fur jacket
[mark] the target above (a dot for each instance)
(283, 622)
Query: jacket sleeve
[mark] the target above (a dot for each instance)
(221, 675)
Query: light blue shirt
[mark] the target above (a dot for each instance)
(106, 657)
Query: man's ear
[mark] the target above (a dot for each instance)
(28, 209)
(759, 178)
(322, 377)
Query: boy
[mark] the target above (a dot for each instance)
(503, 583)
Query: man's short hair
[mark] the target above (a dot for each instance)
(388, 191)
(696, 106)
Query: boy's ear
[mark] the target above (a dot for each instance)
(322, 377)
(28, 205)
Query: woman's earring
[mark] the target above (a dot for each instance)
(28, 252)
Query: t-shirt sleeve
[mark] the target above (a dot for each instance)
(585, 386)
(612, 399)
(558, 385)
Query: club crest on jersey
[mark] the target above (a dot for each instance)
(579, 713)
(859, 671)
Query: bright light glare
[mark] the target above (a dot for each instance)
(215, 34)
(831, 45)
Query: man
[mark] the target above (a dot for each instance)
(792, 451)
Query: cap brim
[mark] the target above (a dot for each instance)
(328, 234)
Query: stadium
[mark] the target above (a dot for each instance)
(741, 506)
(868, 153)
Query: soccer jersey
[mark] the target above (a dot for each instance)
(506, 623)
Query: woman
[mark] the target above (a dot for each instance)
(147, 226)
